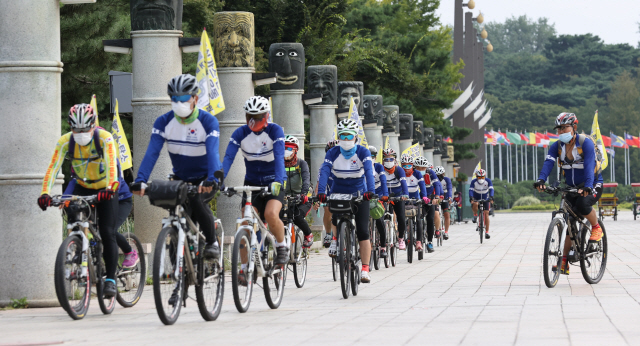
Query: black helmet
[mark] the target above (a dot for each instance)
(184, 84)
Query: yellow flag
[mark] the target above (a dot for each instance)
(353, 111)
(124, 153)
(270, 119)
(94, 105)
(477, 168)
(210, 94)
(386, 143)
(595, 131)
(413, 151)
(379, 156)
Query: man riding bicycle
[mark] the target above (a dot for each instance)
(262, 145)
(192, 137)
(445, 204)
(97, 174)
(481, 188)
(350, 166)
(383, 193)
(397, 184)
(298, 184)
(434, 190)
(577, 156)
(417, 190)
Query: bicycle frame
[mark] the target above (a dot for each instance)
(568, 218)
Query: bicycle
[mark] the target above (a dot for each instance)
(178, 261)
(392, 236)
(480, 227)
(79, 263)
(298, 255)
(412, 213)
(438, 233)
(259, 259)
(130, 282)
(375, 245)
(592, 256)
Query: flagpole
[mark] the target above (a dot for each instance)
(517, 169)
(500, 162)
(508, 162)
(486, 149)
(491, 162)
(526, 161)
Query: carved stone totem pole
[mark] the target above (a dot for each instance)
(347, 90)
(406, 131)
(429, 143)
(373, 118)
(450, 164)
(437, 153)
(418, 135)
(391, 127)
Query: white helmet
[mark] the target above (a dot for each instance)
(421, 161)
(439, 170)
(256, 105)
(406, 158)
(184, 84)
(481, 173)
(348, 125)
(291, 139)
(81, 117)
(389, 152)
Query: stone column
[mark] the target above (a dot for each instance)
(29, 63)
(404, 144)
(374, 135)
(373, 120)
(428, 154)
(437, 160)
(288, 112)
(405, 131)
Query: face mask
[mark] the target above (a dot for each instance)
(347, 145)
(421, 172)
(389, 165)
(181, 109)
(408, 172)
(257, 125)
(481, 181)
(566, 137)
(441, 177)
(83, 138)
(288, 154)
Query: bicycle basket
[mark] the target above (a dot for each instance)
(167, 194)
(376, 209)
(410, 211)
(341, 204)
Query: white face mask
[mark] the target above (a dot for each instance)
(481, 181)
(181, 109)
(422, 172)
(288, 154)
(83, 138)
(389, 165)
(347, 145)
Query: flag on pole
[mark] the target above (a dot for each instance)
(413, 151)
(270, 118)
(210, 94)
(595, 132)
(124, 153)
(552, 137)
(514, 138)
(94, 105)
(379, 157)
(533, 139)
(448, 140)
(606, 140)
(618, 142)
(632, 141)
(353, 111)
(477, 168)
(386, 143)
(488, 138)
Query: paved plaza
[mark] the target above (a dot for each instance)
(465, 293)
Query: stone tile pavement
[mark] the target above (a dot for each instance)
(463, 294)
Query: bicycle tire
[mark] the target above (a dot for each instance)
(387, 259)
(165, 284)
(410, 241)
(355, 268)
(586, 264)
(300, 267)
(64, 257)
(241, 299)
(420, 235)
(344, 254)
(551, 277)
(273, 285)
(394, 246)
(210, 285)
(374, 261)
(127, 296)
(481, 225)
(334, 268)
(107, 305)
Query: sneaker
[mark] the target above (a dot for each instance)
(130, 259)
(364, 277)
(242, 278)
(418, 245)
(596, 235)
(446, 235)
(401, 245)
(437, 234)
(383, 252)
(173, 300)
(564, 268)
(327, 240)
(333, 249)
(212, 251)
(430, 248)
(308, 241)
(487, 236)
(109, 289)
(475, 219)
(282, 256)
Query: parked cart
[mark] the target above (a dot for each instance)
(608, 203)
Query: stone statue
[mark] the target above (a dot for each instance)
(450, 151)
(390, 122)
(323, 79)
(443, 148)
(437, 145)
(156, 14)
(287, 60)
(346, 90)
(234, 39)
(372, 109)
(429, 138)
(406, 126)
(418, 132)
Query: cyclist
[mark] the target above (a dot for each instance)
(397, 184)
(383, 192)
(262, 145)
(447, 187)
(481, 188)
(578, 160)
(417, 190)
(350, 167)
(298, 183)
(97, 175)
(434, 189)
(457, 201)
(192, 136)
(329, 228)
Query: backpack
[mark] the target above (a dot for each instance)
(599, 155)
(72, 149)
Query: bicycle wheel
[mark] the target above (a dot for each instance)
(355, 265)
(410, 241)
(387, 259)
(210, 286)
(273, 283)
(551, 251)
(375, 245)
(420, 236)
(481, 226)
(393, 248)
(73, 290)
(106, 304)
(168, 289)
(300, 267)
(241, 278)
(130, 281)
(344, 254)
(334, 268)
(594, 261)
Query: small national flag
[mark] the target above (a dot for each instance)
(514, 138)
(632, 141)
(618, 142)
(606, 140)
(524, 138)
(552, 137)
(448, 140)
(542, 140)
(533, 139)
(488, 138)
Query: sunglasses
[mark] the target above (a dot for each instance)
(346, 137)
(407, 166)
(389, 159)
(182, 98)
(288, 149)
(83, 130)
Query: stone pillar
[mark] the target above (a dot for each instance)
(29, 62)
(404, 144)
(405, 122)
(394, 142)
(437, 160)
(288, 112)
(428, 154)
(374, 135)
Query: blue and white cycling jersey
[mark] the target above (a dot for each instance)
(397, 182)
(381, 180)
(351, 175)
(263, 154)
(415, 185)
(447, 187)
(432, 183)
(193, 147)
(481, 190)
(580, 170)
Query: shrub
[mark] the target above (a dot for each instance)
(526, 200)
(540, 207)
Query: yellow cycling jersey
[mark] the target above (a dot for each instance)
(92, 171)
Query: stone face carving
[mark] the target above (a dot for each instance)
(390, 122)
(443, 149)
(406, 126)
(418, 132)
(429, 138)
(233, 36)
(346, 90)
(156, 14)
(450, 151)
(437, 144)
(372, 109)
(323, 79)
(287, 60)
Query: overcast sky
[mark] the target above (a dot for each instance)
(615, 21)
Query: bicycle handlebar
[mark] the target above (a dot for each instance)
(61, 199)
(230, 191)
